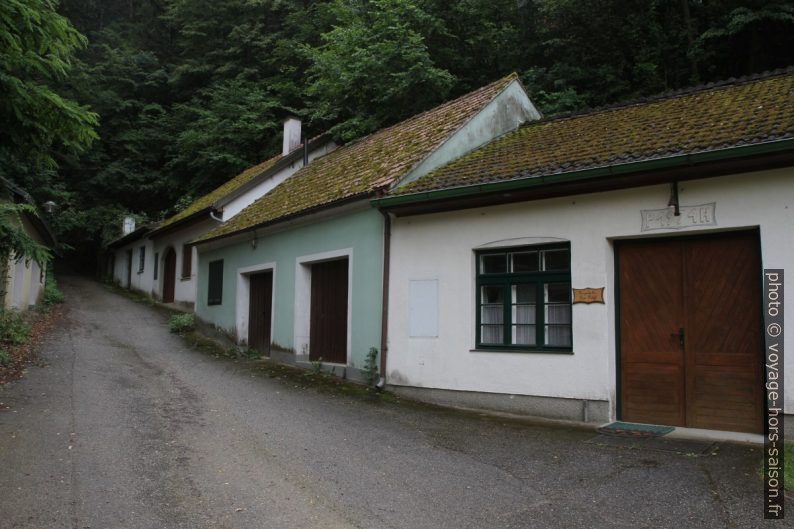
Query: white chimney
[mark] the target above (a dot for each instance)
(128, 226)
(292, 135)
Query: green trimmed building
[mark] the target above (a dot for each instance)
(299, 274)
(601, 266)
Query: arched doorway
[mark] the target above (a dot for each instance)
(169, 275)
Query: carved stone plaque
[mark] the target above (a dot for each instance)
(691, 216)
(588, 295)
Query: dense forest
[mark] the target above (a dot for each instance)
(112, 107)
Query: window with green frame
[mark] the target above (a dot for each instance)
(524, 298)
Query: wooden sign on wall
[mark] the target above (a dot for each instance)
(588, 295)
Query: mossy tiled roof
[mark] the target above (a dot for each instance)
(732, 114)
(365, 166)
(213, 196)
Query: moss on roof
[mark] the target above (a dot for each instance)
(213, 196)
(732, 114)
(363, 167)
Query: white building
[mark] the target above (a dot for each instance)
(22, 281)
(161, 262)
(601, 266)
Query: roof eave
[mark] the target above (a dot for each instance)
(303, 213)
(176, 225)
(132, 236)
(284, 161)
(450, 195)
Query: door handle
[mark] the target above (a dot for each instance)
(680, 335)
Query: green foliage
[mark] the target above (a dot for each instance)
(374, 67)
(192, 91)
(14, 240)
(371, 368)
(52, 296)
(14, 330)
(38, 48)
(181, 323)
(317, 366)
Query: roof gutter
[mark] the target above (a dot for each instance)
(587, 174)
(286, 218)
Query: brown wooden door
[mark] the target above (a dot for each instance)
(259, 311)
(328, 318)
(690, 332)
(169, 275)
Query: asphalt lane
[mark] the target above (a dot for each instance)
(123, 426)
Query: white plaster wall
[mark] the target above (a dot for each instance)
(36, 284)
(506, 112)
(440, 246)
(21, 276)
(249, 197)
(8, 300)
(184, 287)
(141, 281)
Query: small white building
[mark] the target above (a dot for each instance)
(23, 279)
(601, 266)
(130, 259)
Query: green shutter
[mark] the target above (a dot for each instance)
(215, 286)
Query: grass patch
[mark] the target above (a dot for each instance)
(14, 331)
(180, 323)
(321, 380)
(788, 468)
(52, 296)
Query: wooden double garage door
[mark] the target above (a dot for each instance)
(691, 332)
(328, 311)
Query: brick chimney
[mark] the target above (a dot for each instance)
(292, 135)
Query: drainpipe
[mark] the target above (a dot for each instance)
(384, 326)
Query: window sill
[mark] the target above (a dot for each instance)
(522, 351)
(186, 278)
(140, 272)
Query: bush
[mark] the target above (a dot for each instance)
(14, 330)
(52, 295)
(371, 369)
(180, 323)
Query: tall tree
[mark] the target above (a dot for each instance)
(374, 66)
(38, 123)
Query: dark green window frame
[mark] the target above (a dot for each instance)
(503, 278)
(215, 283)
(141, 259)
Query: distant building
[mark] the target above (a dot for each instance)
(22, 280)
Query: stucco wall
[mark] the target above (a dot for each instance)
(184, 287)
(24, 280)
(440, 246)
(140, 281)
(358, 235)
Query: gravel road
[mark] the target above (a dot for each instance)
(121, 425)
